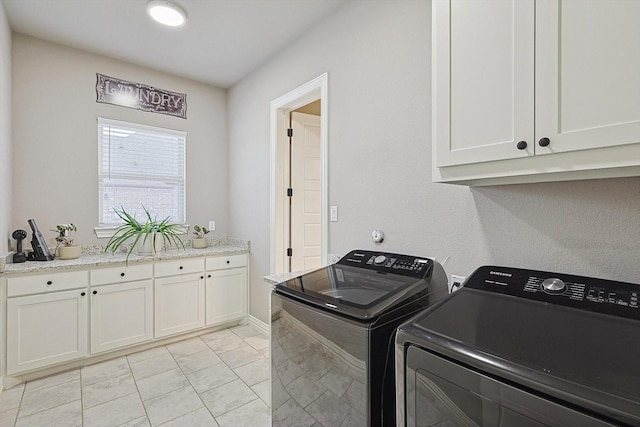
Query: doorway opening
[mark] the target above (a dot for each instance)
(299, 226)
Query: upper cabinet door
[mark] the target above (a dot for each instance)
(483, 80)
(587, 74)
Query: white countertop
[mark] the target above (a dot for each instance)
(102, 259)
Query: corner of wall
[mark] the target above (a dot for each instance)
(6, 171)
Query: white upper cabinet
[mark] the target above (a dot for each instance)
(483, 80)
(527, 91)
(587, 74)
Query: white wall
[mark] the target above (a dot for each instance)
(55, 137)
(377, 54)
(5, 133)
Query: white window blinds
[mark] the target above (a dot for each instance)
(140, 166)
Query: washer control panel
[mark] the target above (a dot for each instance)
(588, 293)
(405, 265)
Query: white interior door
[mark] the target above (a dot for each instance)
(306, 202)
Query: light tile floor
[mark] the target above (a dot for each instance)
(217, 379)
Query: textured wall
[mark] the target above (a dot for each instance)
(377, 55)
(55, 137)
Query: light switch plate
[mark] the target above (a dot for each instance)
(333, 213)
(212, 225)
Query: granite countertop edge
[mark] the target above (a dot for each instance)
(274, 279)
(117, 259)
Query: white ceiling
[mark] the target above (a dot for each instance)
(222, 41)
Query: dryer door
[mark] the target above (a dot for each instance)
(440, 392)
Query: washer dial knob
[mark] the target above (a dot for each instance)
(380, 259)
(553, 285)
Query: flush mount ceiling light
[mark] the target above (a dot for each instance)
(166, 13)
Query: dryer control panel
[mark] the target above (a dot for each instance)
(587, 293)
(384, 262)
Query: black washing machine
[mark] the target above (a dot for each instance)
(517, 348)
(332, 337)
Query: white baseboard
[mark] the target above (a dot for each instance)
(263, 327)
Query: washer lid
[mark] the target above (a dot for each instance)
(353, 291)
(589, 359)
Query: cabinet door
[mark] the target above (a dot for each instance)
(121, 315)
(483, 80)
(226, 295)
(179, 304)
(587, 74)
(46, 329)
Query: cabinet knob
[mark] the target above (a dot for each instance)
(208, 275)
(544, 142)
(230, 261)
(181, 267)
(83, 294)
(121, 274)
(522, 145)
(94, 292)
(49, 282)
(202, 277)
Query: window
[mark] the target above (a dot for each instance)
(140, 166)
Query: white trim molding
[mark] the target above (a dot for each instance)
(259, 324)
(313, 90)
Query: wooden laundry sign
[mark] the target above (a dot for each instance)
(114, 91)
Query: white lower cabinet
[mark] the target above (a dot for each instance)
(226, 295)
(46, 329)
(61, 316)
(121, 315)
(179, 304)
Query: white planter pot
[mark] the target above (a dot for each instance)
(69, 252)
(146, 247)
(199, 243)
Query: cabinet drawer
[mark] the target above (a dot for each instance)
(49, 282)
(222, 262)
(121, 274)
(183, 266)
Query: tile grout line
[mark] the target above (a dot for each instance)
(144, 408)
(234, 372)
(24, 390)
(245, 383)
(191, 385)
(15, 421)
(81, 401)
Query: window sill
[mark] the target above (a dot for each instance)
(107, 231)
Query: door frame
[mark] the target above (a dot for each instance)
(279, 122)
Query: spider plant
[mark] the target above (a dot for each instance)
(141, 231)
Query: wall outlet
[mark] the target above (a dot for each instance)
(212, 225)
(456, 282)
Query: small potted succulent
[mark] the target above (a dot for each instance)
(200, 241)
(65, 248)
